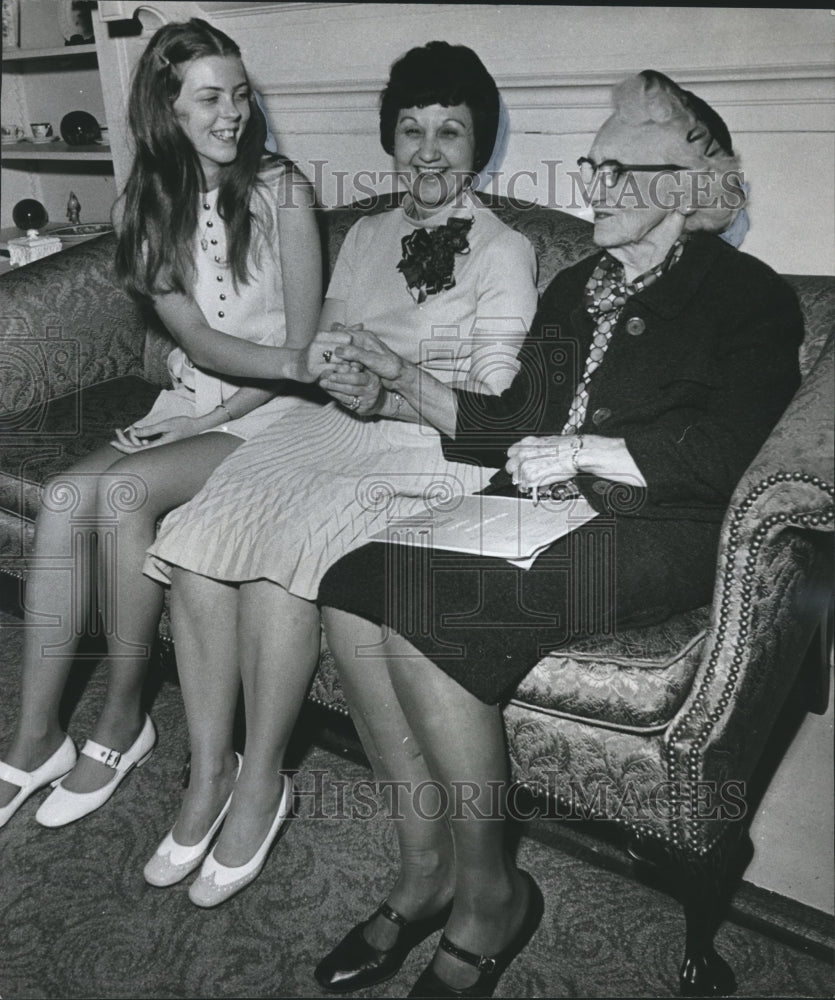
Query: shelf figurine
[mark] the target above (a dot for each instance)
(73, 209)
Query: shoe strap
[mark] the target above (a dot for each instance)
(14, 775)
(480, 962)
(391, 914)
(104, 755)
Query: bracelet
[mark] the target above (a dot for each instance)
(225, 408)
(576, 448)
(398, 402)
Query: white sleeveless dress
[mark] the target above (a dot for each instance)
(293, 499)
(253, 312)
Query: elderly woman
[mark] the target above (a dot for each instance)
(444, 283)
(653, 373)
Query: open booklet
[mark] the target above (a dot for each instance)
(506, 527)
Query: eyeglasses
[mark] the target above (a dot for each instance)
(611, 170)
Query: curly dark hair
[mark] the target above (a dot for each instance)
(440, 73)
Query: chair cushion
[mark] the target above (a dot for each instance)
(49, 437)
(633, 681)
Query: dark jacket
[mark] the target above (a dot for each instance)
(699, 369)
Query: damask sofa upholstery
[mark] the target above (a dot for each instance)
(657, 728)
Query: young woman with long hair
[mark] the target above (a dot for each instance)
(220, 239)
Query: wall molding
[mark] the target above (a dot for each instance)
(787, 99)
(220, 9)
(726, 76)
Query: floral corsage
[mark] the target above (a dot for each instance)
(428, 263)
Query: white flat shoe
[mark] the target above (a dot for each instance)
(64, 806)
(55, 767)
(216, 883)
(173, 861)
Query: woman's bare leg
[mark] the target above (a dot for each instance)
(203, 620)
(426, 878)
(278, 650)
(462, 740)
(133, 494)
(60, 601)
(59, 605)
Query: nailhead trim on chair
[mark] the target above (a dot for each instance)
(675, 837)
(693, 828)
(340, 709)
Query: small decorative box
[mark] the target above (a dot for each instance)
(31, 247)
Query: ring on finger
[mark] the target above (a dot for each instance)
(354, 404)
(327, 355)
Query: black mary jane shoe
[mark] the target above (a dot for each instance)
(489, 969)
(354, 963)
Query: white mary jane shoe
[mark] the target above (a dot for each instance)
(64, 806)
(55, 767)
(173, 861)
(216, 883)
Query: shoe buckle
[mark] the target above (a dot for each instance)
(112, 759)
(485, 964)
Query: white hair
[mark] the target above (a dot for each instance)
(697, 138)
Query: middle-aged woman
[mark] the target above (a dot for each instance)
(684, 356)
(448, 285)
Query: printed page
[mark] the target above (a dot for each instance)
(505, 527)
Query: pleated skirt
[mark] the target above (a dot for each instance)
(296, 497)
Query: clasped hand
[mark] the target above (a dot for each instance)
(351, 383)
(368, 350)
(540, 461)
(140, 436)
(319, 358)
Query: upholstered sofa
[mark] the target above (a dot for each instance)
(658, 729)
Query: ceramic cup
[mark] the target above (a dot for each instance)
(41, 130)
(11, 133)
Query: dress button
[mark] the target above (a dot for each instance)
(600, 415)
(636, 326)
(209, 224)
(222, 297)
(213, 242)
(220, 277)
(221, 314)
(206, 206)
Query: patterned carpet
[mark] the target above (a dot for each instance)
(78, 920)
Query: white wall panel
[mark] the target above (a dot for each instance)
(768, 72)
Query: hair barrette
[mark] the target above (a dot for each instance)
(698, 132)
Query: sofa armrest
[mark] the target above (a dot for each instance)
(773, 587)
(802, 445)
(65, 324)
